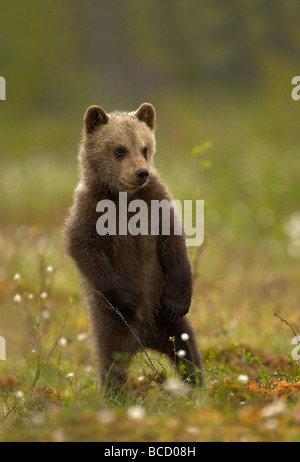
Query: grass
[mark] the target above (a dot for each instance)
(246, 272)
(49, 379)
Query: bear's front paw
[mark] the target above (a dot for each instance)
(175, 305)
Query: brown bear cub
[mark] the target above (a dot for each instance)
(139, 285)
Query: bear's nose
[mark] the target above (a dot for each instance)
(142, 175)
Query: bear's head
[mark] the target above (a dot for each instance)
(117, 148)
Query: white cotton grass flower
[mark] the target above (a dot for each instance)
(175, 387)
(17, 277)
(185, 337)
(49, 269)
(44, 295)
(105, 416)
(292, 229)
(37, 419)
(63, 341)
(243, 379)
(181, 353)
(274, 410)
(70, 375)
(20, 395)
(82, 337)
(136, 413)
(88, 369)
(292, 226)
(46, 314)
(30, 296)
(17, 299)
(141, 378)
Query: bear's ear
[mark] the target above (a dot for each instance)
(146, 113)
(94, 117)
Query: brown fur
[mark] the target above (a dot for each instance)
(147, 278)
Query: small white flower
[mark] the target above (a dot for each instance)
(30, 297)
(50, 269)
(292, 226)
(243, 379)
(136, 413)
(20, 395)
(33, 352)
(185, 337)
(37, 419)
(63, 341)
(44, 295)
(82, 337)
(45, 314)
(181, 353)
(175, 387)
(105, 416)
(274, 410)
(17, 299)
(70, 375)
(88, 369)
(17, 277)
(141, 378)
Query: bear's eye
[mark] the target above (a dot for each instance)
(120, 152)
(145, 152)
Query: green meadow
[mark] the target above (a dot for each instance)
(232, 141)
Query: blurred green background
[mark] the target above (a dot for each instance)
(217, 71)
(219, 74)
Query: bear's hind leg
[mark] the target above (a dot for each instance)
(182, 351)
(115, 346)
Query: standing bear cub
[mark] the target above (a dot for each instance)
(138, 285)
